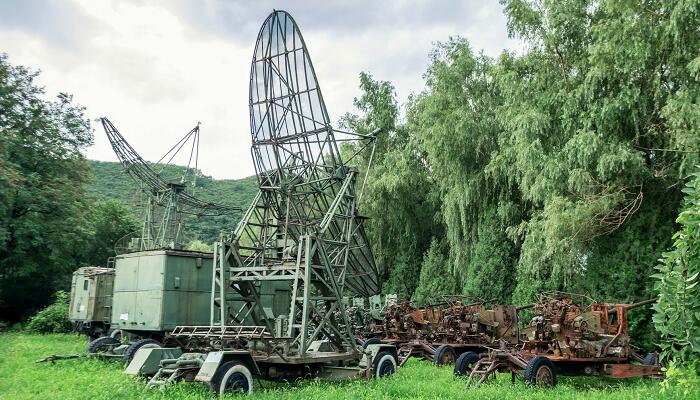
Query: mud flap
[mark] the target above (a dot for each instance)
(146, 361)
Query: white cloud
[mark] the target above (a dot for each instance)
(155, 70)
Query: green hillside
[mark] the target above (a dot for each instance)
(110, 182)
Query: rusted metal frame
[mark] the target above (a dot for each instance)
(630, 370)
(403, 357)
(491, 368)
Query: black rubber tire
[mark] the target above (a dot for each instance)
(465, 362)
(651, 359)
(534, 369)
(101, 343)
(237, 383)
(384, 364)
(134, 347)
(371, 341)
(444, 355)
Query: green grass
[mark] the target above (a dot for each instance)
(22, 378)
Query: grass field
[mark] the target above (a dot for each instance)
(21, 378)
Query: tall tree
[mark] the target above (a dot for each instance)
(397, 196)
(43, 227)
(456, 126)
(561, 167)
(111, 222)
(590, 135)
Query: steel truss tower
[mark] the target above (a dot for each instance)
(303, 226)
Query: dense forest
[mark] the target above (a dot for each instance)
(566, 166)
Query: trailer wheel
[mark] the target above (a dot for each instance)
(371, 341)
(139, 344)
(232, 377)
(540, 371)
(384, 364)
(465, 362)
(651, 359)
(101, 344)
(444, 355)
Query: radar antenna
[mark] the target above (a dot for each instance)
(167, 200)
(303, 226)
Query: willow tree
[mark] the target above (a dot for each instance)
(561, 167)
(454, 123)
(599, 129)
(396, 194)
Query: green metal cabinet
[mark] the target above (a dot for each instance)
(91, 295)
(160, 289)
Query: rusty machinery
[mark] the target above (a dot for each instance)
(445, 331)
(567, 339)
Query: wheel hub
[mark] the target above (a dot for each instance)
(237, 383)
(544, 376)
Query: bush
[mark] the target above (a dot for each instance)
(198, 245)
(682, 381)
(53, 318)
(677, 315)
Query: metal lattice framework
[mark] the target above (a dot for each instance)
(167, 200)
(303, 226)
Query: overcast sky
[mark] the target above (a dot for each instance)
(156, 68)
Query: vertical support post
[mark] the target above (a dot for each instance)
(223, 282)
(215, 266)
(219, 281)
(303, 345)
(295, 287)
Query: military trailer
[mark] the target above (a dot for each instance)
(90, 308)
(155, 291)
(564, 338)
(451, 332)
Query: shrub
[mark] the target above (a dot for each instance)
(681, 381)
(53, 318)
(198, 245)
(677, 315)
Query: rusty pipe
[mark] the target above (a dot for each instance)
(631, 306)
